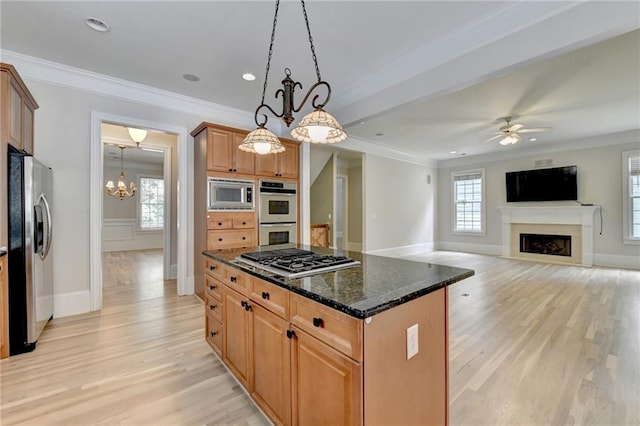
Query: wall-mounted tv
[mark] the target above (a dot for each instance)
(555, 184)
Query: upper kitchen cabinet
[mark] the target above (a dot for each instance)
(18, 106)
(223, 154)
(285, 164)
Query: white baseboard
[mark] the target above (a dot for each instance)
(354, 246)
(616, 261)
(72, 303)
(469, 248)
(403, 250)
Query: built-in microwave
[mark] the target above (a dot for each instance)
(230, 194)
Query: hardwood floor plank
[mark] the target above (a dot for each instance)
(530, 344)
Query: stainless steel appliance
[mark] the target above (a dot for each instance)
(296, 263)
(230, 194)
(30, 258)
(278, 212)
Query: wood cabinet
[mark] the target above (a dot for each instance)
(223, 154)
(4, 308)
(231, 230)
(327, 385)
(213, 306)
(285, 164)
(305, 363)
(320, 235)
(18, 106)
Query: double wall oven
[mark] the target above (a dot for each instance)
(278, 212)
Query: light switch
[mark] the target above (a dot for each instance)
(412, 341)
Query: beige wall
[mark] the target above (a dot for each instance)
(599, 182)
(322, 195)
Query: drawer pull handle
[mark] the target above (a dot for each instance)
(265, 295)
(212, 287)
(243, 304)
(244, 238)
(291, 334)
(230, 170)
(219, 239)
(213, 333)
(212, 307)
(317, 322)
(233, 279)
(247, 307)
(219, 223)
(212, 267)
(244, 223)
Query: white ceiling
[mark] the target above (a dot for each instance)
(431, 76)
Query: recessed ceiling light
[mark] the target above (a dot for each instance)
(453, 152)
(190, 77)
(97, 24)
(248, 76)
(379, 134)
(533, 139)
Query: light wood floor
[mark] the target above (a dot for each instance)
(530, 344)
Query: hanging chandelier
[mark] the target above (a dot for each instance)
(121, 190)
(317, 127)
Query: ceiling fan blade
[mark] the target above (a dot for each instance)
(536, 129)
(516, 127)
(499, 135)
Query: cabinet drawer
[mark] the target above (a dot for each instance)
(214, 222)
(212, 287)
(243, 222)
(336, 329)
(213, 268)
(213, 307)
(229, 239)
(271, 297)
(237, 280)
(213, 328)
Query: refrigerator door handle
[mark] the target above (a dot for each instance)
(38, 229)
(48, 228)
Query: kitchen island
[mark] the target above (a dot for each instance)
(363, 345)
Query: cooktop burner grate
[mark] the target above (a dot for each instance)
(294, 263)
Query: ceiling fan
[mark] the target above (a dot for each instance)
(510, 133)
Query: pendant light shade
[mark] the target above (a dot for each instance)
(261, 141)
(319, 127)
(137, 135)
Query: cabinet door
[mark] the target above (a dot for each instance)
(15, 117)
(243, 161)
(271, 365)
(289, 160)
(266, 165)
(326, 385)
(27, 128)
(219, 151)
(236, 335)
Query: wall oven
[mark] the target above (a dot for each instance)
(278, 212)
(229, 194)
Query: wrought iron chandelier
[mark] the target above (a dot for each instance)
(121, 190)
(316, 127)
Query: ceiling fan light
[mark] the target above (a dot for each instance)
(262, 141)
(319, 127)
(510, 139)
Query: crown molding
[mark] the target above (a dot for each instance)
(375, 148)
(44, 71)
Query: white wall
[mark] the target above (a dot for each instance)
(599, 182)
(399, 206)
(62, 141)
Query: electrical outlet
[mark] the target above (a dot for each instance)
(412, 341)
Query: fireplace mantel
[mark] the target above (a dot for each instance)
(551, 215)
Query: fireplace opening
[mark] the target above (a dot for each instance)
(555, 245)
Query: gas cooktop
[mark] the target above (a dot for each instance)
(296, 263)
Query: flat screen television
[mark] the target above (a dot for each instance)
(555, 184)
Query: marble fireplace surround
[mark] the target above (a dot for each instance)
(576, 221)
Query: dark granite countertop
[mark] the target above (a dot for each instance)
(379, 283)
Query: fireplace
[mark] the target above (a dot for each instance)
(553, 245)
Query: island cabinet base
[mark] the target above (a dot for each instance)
(403, 391)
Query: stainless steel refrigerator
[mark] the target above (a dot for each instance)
(30, 258)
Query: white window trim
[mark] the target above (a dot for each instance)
(483, 207)
(138, 214)
(626, 205)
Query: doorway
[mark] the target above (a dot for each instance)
(175, 263)
(341, 212)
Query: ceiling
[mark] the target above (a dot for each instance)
(420, 77)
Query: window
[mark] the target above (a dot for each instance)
(631, 196)
(151, 203)
(468, 202)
